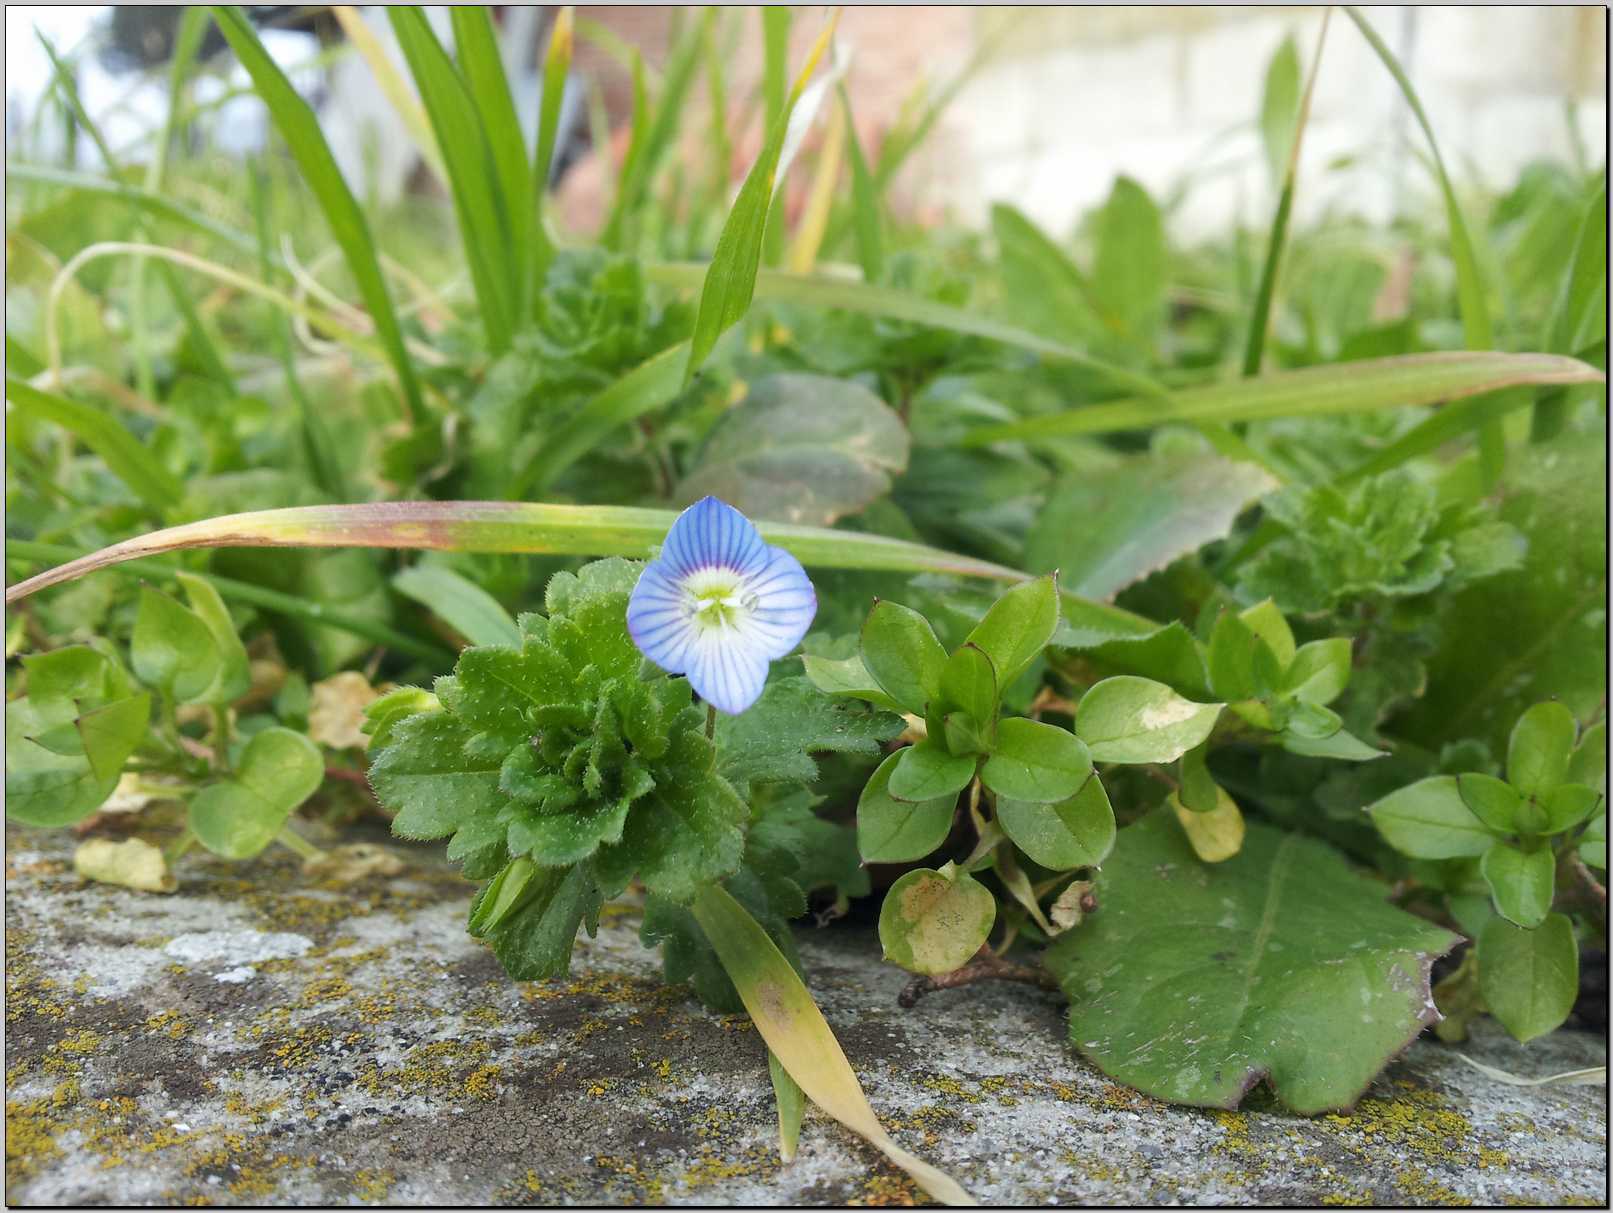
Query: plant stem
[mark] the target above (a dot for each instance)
(984, 967)
(221, 737)
(179, 846)
(296, 842)
(711, 721)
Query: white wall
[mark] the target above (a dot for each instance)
(1080, 95)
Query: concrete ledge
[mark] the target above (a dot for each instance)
(261, 1038)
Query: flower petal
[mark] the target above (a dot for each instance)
(712, 533)
(727, 670)
(659, 619)
(785, 606)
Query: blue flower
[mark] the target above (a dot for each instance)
(718, 604)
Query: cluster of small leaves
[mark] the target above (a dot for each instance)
(595, 319)
(1037, 778)
(564, 767)
(1385, 537)
(1501, 842)
(88, 721)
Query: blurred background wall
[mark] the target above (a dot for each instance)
(1057, 101)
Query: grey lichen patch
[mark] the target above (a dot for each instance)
(390, 1061)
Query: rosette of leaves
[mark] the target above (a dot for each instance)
(1036, 778)
(563, 768)
(1499, 843)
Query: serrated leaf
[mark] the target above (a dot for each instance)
(690, 831)
(1430, 820)
(935, 921)
(900, 650)
(1074, 833)
(1106, 529)
(240, 815)
(428, 778)
(1130, 719)
(774, 740)
(1521, 882)
(801, 448)
(534, 940)
(898, 831)
(1529, 978)
(1281, 947)
(1538, 632)
(1031, 760)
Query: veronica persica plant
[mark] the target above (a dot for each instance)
(719, 604)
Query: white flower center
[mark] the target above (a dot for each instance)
(718, 599)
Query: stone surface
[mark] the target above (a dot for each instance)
(262, 1037)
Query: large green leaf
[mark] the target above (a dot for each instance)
(801, 448)
(1194, 982)
(1317, 391)
(1537, 632)
(1104, 530)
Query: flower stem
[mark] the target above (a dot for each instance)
(711, 721)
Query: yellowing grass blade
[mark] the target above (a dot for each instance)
(510, 526)
(782, 1009)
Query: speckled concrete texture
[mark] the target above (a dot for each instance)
(261, 1037)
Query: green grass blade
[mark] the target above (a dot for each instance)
(126, 457)
(656, 136)
(292, 605)
(638, 133)
(461, 604)
(20, 360)
(791, 1102)
(789, 1021)
(1580, 313)
(1319, 391)
(300, 129)
(849, 295)
(156, 205)
(1260, 321)
(324, 467)
(730, 280)
(639, 392)
(483, 71)
(484, 225)
(1477, 331)
(867, 220)
(556, 66)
